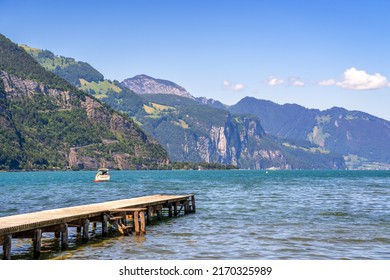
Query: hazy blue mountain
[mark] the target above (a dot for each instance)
(191, 131)
(363, 139)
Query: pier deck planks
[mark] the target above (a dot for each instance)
(30, 221)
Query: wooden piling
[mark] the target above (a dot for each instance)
(170, 213)
(136, 223)
(85, 230)
(37, 242)
(142, 222)
(104, 225)
(186, 207)
(64, 236)
(7, 241)
(174, 208)
(193, 203)
(149, 215)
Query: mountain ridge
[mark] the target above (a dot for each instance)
(222, 140)
(144, 84)
(47, 123)
(363, 139)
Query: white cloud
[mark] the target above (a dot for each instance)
(231, 86)
(329, 82)
(296, 82)
(238, 87)
(273, 81)
(358, 80)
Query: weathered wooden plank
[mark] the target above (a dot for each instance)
(127, 210)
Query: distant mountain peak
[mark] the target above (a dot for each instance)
(144, 84)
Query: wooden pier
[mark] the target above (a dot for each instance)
(127, 216)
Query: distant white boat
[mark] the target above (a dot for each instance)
(102, 175)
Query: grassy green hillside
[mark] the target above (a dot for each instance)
(65, 67)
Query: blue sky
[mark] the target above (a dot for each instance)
(318, 54)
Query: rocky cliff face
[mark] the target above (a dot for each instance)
(243, 142)
(143, 84)
(53, 128)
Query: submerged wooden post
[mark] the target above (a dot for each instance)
(136, 222)
(142, 222)
(193, 203)
(104, 225)
(85, 230)
(186, 208)
(64, 236)
(158, 212)
(170, 210)
(175, 208)
(7, 241)
(149, 215)
(37, 242)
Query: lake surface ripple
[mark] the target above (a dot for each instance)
(240, 214)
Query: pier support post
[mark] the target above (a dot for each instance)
(85, 230)
(64, 236)
(159, 214)
(105, 225)
(193, 203)
(174, 208)
(170, 214)
(149, 215)
(136, 223)
(37, 242)
(7, 246)
(142, 222)
(186, 210)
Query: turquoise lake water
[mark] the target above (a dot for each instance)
(240, 214)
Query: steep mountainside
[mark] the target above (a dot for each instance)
(363, 139)
(190, 131)
(201, 130)
(46, 123)
(143, 84)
